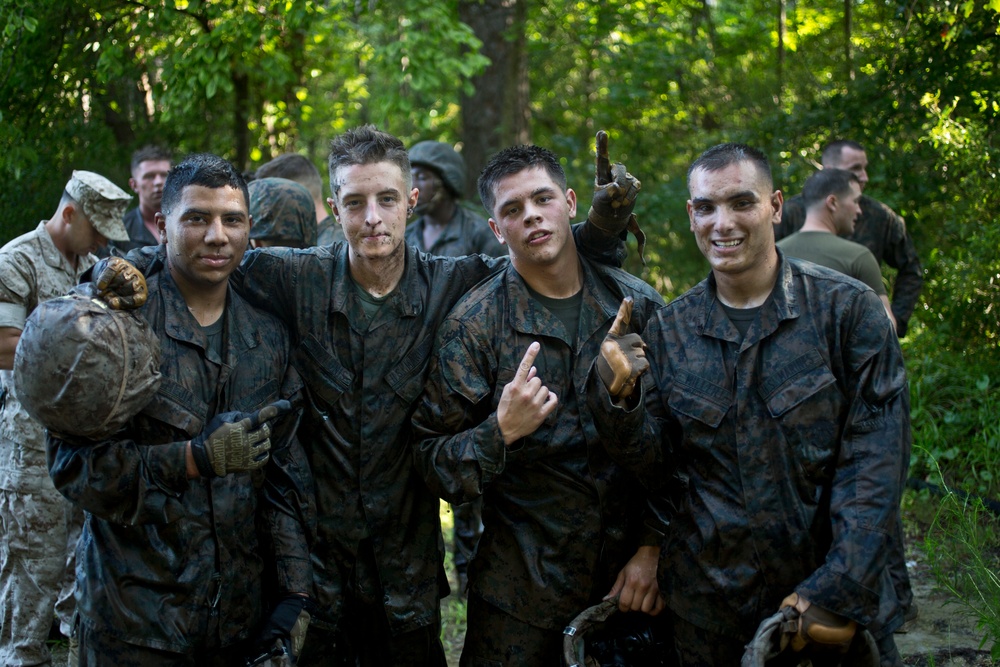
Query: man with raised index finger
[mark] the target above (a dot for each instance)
(362, 316)
(777, 409)
(503, 417)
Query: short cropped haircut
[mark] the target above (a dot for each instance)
(150, 153)
(367, 145)
(296, 168)
(832, 151)
(205, 169)
(514, 160)
(826, 182)
(721, 156)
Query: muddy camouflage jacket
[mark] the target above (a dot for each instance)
(465, 234)
(883, 231)
(176, 564)
(783, 451)
(561, 519)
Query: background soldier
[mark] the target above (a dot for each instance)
(149, 168)
(40, 527)
(300, 169)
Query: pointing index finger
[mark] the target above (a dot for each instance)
(527, 362)
(603, 171)
(620, 326)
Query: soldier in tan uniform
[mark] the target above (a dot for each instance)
(38, 527)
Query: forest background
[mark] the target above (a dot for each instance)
(84, 83)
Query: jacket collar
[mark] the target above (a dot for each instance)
(405, 300)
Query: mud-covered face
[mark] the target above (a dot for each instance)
(371, 204)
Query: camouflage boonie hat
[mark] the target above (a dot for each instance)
(103, 203)
(83, 369)
(283, 213)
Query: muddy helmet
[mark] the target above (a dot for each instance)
(444, 160)
(283, 212)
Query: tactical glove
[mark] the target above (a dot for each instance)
(623, 356)
(236, 441)
(119, 284)
(286, 626)
(615, 191)
(815, 625)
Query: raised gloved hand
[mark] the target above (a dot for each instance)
(119, 284)
(623, 356)
(815, 625)
(284, 632)
(615, 191)
(236, 441)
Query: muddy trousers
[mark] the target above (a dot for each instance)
(38, 534)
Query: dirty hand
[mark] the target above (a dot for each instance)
(119, 284)
(615, 191)
(236, 441)
(623, 356)
(815, 625)
(288, 623)
(525, 402)
(636, 586)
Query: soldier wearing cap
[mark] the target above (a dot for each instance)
(282, 213)
(443, 227)
(40, 530)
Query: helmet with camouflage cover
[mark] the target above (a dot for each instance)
(103, 371)
(443, 160)
(283, 213)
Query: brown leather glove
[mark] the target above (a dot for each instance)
(119, 284)
(623, 356)
(615, 191)
(815, 625)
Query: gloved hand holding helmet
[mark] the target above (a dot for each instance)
(283, 634)
(622, 360)
(119, 284)
(236, 441)
(815, 625)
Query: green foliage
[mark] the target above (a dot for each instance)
(963, 551)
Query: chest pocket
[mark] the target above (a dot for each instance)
(177, 406)
(803, 396)
(408, 376)
(699, 399)
(258, 398)
(323, 375)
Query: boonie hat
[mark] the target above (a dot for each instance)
(103, 203)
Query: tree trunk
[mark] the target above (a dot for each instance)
(848, 58)
(241, 104)
(497, 114)
(781, 48)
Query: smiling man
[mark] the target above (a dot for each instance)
(40, 529)
(173, 567)
(778, 400)
(504, 417)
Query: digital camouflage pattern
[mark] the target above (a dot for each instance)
(329, 231)
(139, 235)
(103, 203)
(466, 234)
(883, 231)
(283, 212)
(158, 545)
(35, 549)
(783, 451)
(103, 371)
(561, 518)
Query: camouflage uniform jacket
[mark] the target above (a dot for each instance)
(363, 380)
(329, 231)
(32, 270)
(883, 231)
(561, 519)
(466, 234)
(176, 564)
(138, 234)
(785, 450)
